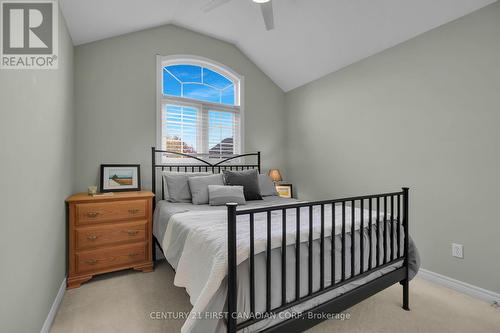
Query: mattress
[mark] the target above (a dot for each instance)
(165, 210)
(190, 233)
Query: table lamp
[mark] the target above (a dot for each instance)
(275, 175)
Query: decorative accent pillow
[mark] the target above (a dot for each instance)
(199, 187)
(249, 179)
(223, 194)
(267, 187)
(177, 187)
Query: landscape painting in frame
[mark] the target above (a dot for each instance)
(120, 177)
(284, 190)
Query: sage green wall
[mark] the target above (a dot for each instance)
(425, 114)
(36, 175)
(115, 98)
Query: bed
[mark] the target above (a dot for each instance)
(239, 267)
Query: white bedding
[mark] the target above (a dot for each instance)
(198, 239)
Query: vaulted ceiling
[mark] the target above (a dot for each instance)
(312, 37)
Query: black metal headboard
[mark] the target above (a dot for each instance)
(200, 165)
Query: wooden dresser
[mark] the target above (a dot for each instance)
(109, 233)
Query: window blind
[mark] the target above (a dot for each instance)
(180, 128)
(221, 130)
(201, 129)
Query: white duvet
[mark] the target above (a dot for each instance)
(203, 263)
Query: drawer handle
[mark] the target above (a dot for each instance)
(92, 237)
(91, 261)
(132, 232)
(133, 254)
(92, 214)
(133, 211)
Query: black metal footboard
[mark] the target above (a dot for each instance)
(391, 215)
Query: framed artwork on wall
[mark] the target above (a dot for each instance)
(120, 177)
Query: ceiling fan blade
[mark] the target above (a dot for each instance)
(267, 14)
(212, 4)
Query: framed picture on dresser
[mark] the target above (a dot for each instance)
(120, 177)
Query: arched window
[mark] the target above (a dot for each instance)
(199, 104)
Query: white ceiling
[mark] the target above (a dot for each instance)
(312, 37)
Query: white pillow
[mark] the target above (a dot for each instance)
(222, 194)
(199, 187)
(177, 187)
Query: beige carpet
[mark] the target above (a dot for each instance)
(122, 302)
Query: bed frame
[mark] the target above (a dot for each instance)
(395, 207)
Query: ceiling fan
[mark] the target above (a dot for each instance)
(266, 7)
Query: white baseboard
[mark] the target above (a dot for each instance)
(463, 287)
(53, 309)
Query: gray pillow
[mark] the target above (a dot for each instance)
(177, 187)
(221, 195)
(199, 187)
(267, 187)
(249, 179)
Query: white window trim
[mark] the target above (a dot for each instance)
(162, 61)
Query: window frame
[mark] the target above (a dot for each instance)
(203, 107)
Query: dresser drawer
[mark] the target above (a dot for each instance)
(88, 237)
(95, 260)
(110, 211)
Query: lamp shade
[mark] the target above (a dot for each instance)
(275, 175)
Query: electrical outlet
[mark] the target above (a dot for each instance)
(457, 250)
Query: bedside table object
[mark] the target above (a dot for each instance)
(109, 233)
(275, 175)
(285, 190)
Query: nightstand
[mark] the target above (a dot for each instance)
(108, 233)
